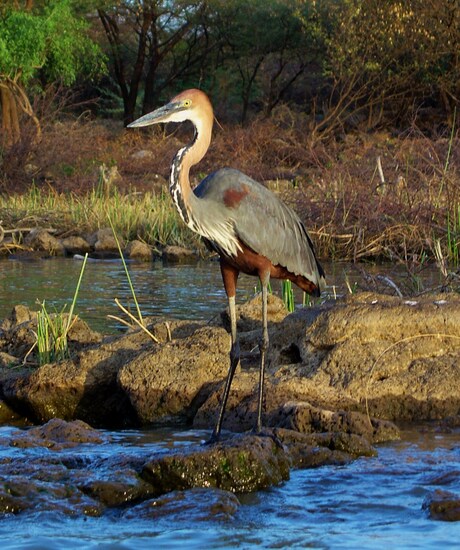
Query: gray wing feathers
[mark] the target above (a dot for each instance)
(276, 232)
(263, 222)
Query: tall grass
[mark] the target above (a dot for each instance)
(148, 216)
(453, 235)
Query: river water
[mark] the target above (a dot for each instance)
(192, 291)
(370, 503)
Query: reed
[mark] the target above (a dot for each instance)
(288, 295)
(139, 320)
(53, 328)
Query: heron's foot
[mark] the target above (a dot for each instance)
(215, 438)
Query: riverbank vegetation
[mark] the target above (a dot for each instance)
(349, 110)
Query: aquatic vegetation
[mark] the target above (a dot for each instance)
(53, 328)
(288, 295)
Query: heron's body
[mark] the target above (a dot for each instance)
(246, 224)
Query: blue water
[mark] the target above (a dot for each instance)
(370, 503)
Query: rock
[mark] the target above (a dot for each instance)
(40, 239)
(313, 450)
(21, 494)
(400, 357)
(240, 464)
(303, 417)
(443, 506)
(126, 489)
(9, 416)
(84, 387)
(7, 360)
(249, 315)
(76, 245)
(21, 314)
(194, 505)
(167, 383)
(326, 367)
(20, 329)
(178, 254)
(138, 250)
(104, 242)
(58, 434)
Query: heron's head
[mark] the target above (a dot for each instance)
(191, 105)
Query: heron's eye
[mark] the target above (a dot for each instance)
(187, 102)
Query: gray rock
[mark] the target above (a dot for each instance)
(76, 245)
(40, 239)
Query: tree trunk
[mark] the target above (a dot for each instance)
(10, 119)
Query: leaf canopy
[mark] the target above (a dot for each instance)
(52, 39)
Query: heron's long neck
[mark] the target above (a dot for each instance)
(179, 182)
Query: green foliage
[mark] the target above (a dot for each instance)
(52, 39)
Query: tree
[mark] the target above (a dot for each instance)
(40, 42)
(263, 48)
(152, 43)
(387, 59)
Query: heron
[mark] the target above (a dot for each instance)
(249, 227)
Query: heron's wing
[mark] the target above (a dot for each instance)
(265, 224)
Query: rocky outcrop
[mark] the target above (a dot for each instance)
(336, 367)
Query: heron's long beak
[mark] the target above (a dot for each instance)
(155, 117)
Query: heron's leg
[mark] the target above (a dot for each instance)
(234, 360)
(229, 276)
(263, 347)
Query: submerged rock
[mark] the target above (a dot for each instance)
(240, 464)
(199, 504)
(443, 505)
